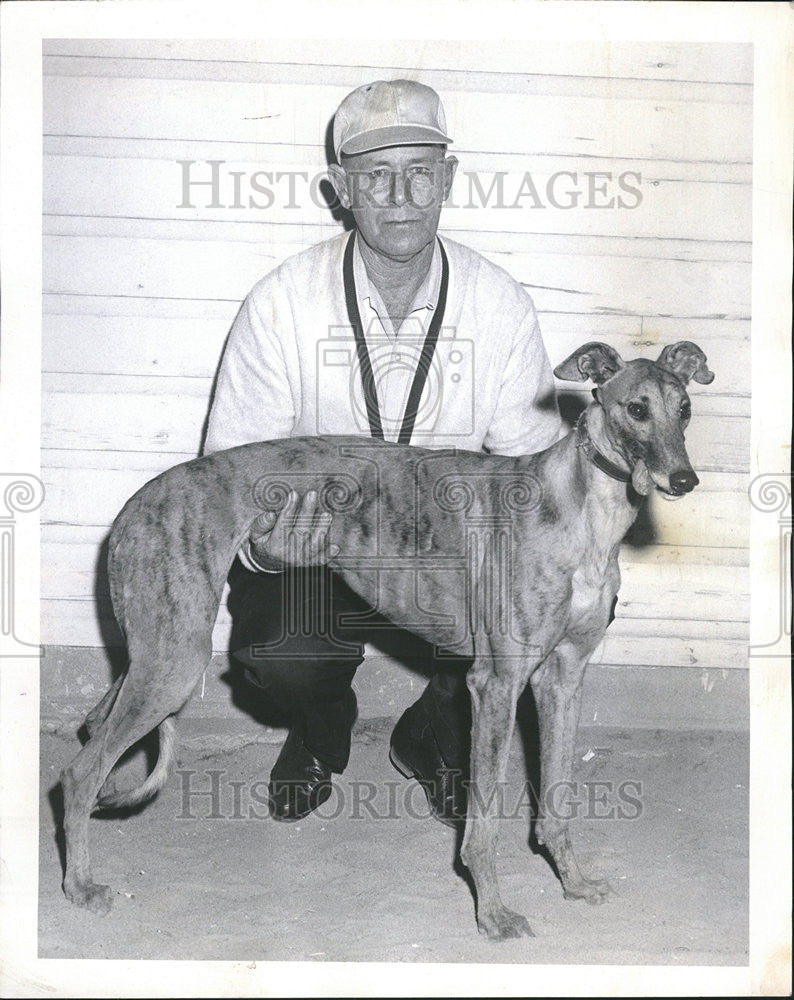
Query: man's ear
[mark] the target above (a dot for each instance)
(338, 179)
(450, 166)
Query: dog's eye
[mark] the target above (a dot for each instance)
(637, 411)
(686, 410)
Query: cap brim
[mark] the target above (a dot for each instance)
(394, 135)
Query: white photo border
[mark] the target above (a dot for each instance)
(769, 26)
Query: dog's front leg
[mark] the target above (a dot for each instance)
(493, 694)
(557, 685)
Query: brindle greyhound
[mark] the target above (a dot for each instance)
(516, 557)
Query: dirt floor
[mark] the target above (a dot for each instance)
(663, 815)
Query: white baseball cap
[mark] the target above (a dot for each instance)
(389, 113)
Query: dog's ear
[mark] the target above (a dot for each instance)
(594, 361)
(686, 360)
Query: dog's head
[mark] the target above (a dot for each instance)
(642, 410)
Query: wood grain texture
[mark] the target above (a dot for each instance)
(582, 195)
(153, 268)
(141, 289)
(655, 61)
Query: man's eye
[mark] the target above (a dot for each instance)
(637, 411)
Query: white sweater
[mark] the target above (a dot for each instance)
(290, 366)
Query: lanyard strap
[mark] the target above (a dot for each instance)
(364, 363)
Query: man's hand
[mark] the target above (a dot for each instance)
(297, 535)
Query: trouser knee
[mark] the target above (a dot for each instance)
(290, 680)
(286, 633)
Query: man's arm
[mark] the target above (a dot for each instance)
(252, 399)
(253, 402)
(527, 418)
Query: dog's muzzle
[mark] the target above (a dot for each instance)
(683, 481)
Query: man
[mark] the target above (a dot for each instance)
(390, 331)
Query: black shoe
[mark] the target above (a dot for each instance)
(415, 754)
(299, 781)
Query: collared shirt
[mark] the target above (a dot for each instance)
(290, 365)
(424, 302)
(395, 354)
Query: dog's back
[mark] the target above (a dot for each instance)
(396, 510)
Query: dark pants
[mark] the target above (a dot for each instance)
(300, 635)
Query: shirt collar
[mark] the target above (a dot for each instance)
(426, 295)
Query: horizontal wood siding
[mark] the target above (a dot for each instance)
(145, 266)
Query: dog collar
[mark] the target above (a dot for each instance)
(592, 454)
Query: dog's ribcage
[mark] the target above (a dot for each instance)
(421, 533)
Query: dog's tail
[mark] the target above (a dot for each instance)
(155, 781)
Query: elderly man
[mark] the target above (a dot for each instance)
(389, 331)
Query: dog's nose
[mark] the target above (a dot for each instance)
(683, 481)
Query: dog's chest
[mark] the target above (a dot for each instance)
(593, 588)
(596, 577)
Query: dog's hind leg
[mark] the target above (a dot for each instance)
(494, 689)
(97, 716)
(150, 693)
(557, 685)
(100, 711)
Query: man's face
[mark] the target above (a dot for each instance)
(395, 195)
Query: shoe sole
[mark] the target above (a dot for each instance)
(400, 765)
(276, 810)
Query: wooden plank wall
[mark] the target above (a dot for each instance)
(141, 284)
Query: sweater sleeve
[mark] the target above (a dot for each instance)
(252, 399)
(526, 418)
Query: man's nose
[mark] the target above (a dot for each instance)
(397, 188)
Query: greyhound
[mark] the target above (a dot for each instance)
(515, 556)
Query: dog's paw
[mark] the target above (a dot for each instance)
(96, 898)
(504, 924)
(593, 891)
